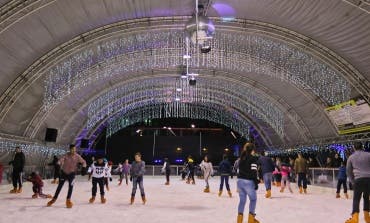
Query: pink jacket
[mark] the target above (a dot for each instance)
(285, 170)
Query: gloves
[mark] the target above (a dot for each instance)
(110, 179)
(83, 171)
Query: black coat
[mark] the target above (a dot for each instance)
(18, 162)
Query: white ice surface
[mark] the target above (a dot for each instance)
(177, 203)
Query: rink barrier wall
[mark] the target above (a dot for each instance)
(323, 177)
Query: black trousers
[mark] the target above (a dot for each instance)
(95, 182)
(302, 179)
(361, 187)
(17, 178)
(71, 180)
(339, 185)
(224, 178)
(56, 172)
(168, 172)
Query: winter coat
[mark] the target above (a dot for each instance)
(224, 168)
(18, 162)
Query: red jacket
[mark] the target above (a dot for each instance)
(36, 181)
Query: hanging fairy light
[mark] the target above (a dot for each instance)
(231, 52)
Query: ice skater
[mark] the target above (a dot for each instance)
(247, 183)
(166, 169)
(301, 167)
(285, 172)
(136, 176)
(207, 169)
(108, 175)
(267, 167)
(358, 172)
(68, 164)
(98, 170)
(190, 166)
(224, 168)
(119, 170)
(18, 163)
(342, 179)
(56, 166)
(37, 185)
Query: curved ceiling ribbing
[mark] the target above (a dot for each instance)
(254, 5)
(261, 66)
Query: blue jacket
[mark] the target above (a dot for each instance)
(224, 168)
(342, 173)
(266, 163)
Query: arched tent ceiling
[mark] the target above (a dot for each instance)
(30, 31)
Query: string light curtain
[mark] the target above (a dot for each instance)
(231, 52)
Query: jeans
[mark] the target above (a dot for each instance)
(17, 178)
(224, 178)
(246, 187)
(267, 178)
(135, 181)
(339, 185)
(95, 182)
(302, 179)
(71, 180)
(361, 187)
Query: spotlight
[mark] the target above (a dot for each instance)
(178, 89)
(138, 131)
(177, 99)
(192, 125)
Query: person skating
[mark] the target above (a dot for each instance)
(225, 170)
(207, 169)
(136, 176)
(126, 168)
(247, 183)
(119, 170)
(285, 172)
(301, 167)
(358, 172)
(166, 169)
(18, 163)
(342, 179)
(68, 164)
(267, 167)
(108, 175)
(37, 185)
(191, 168)
(56, 166)
(98, 170)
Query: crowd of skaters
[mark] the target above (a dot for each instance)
(250, 168)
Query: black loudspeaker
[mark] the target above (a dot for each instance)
(51, 135)
(84, 144)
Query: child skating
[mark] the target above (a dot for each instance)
(98, 171)
(37, 185)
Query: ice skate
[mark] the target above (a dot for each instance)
(36, 195)
(305, 191)
(19, 190)
(51, 202)
(268, 194)
(240, 218)
(220, 193)
(346, 196)
(229, 193)
(13, 191)
(103, 199)
(300, 190)
(167, 183)
(143, 199)
(367, 216)
(92, 199)
(337, 196)
(132, 199)
(206, 190)
(282, 190)
(353, 219)
(252, 219)
(69, 203)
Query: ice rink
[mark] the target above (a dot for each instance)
(177, 203)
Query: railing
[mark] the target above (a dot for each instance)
(325, 177)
